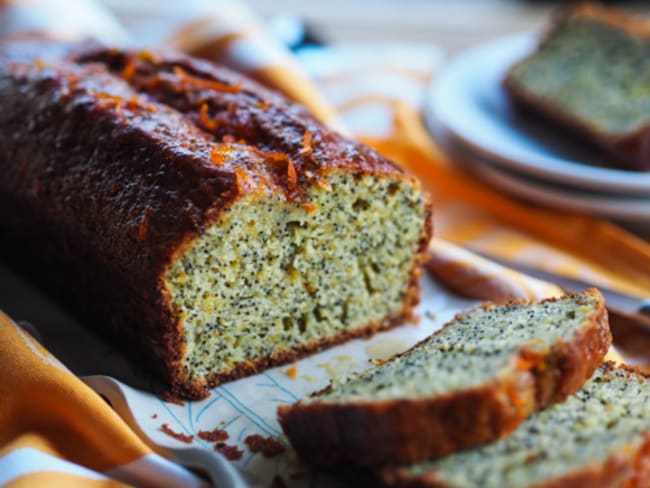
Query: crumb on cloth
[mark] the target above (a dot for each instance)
(231, 453)
(179, 436)
(214, 435)
(268, 446)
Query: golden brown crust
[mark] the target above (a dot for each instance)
(230, 107)
(404, 431)
(633, 148)
(109, 171)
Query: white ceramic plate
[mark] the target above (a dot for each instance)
(468, 102)
(630, 209)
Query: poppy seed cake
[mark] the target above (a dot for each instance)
(599, 437)
(208, 225)
(469, 383)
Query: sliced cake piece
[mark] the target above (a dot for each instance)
(471, 382)
(599, 437)
(591, 74)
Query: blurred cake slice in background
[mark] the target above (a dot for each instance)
(591, 75)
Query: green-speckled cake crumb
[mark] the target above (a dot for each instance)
(273, 275)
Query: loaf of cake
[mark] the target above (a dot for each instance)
(471, 382)
(208, 225)
(599, 437)
(591, 75)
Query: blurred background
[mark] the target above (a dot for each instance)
(455, 25)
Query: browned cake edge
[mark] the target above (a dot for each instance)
(404, 431)
(629, 468)
(632, 150)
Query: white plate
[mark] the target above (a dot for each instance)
(468, 102)
(630, 209)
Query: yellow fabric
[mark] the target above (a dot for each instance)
(60, 480)
(44, 406)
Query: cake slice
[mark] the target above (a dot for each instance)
(591, 74)
(599, 437)
(471, 382)
(209, 226)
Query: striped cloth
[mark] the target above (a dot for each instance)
(55, 431)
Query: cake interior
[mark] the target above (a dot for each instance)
(273, 275)
(475, 348)
(608, 415)
(593, 70)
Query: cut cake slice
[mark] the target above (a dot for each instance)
(599, 437)
(471, 382)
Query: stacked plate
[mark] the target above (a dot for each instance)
(468, 112)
